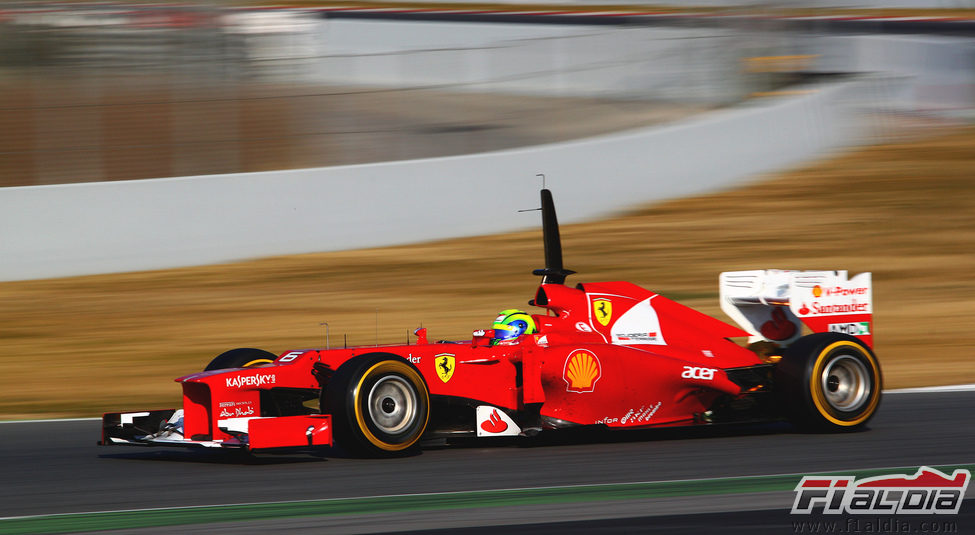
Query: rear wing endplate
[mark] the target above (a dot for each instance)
(774, 304)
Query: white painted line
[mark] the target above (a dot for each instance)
(52, 420)
(932, 389)
(475, 492)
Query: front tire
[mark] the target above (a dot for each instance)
(244, 357)
(380, 405)
(828, 382)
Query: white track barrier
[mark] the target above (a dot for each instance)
(89, 228)
(938, 72)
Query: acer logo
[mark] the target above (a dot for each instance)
(694, 372)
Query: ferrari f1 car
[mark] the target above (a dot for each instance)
(608, 354)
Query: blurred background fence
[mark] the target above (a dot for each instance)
(96, 93)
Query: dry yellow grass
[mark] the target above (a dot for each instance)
(906, 212)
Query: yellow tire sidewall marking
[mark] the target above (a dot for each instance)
(414, 378)
(255, 362)
(819, 398)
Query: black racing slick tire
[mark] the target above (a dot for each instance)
(244, 357)
(828, 382)
(380, 405)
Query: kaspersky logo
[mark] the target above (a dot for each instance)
(929, 492)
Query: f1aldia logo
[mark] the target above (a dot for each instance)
(929, 491)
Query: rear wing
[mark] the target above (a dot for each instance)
(774, 304)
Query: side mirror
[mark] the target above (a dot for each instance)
(421, 336)
(482, 337)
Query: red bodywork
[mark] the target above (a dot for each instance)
(610, 354)
(665, 366)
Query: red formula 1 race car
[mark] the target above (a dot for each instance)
(606, 354)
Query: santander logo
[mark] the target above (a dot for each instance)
(494, 424)
(779, 327)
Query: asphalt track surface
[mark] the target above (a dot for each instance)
(56, 467)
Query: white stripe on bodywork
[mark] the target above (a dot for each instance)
(129, 417)
(236, 425)
(933, 389)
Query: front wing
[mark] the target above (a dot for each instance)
(165, 428)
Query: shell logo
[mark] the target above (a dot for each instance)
(817, 291)
(582, 370)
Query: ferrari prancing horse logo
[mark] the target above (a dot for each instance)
(445, 366)
(602, 309)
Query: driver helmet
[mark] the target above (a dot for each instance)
(510, 324)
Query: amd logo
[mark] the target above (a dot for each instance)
(856, 329)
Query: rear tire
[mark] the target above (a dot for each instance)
(828, 382)
(380, 405)
(244, 357)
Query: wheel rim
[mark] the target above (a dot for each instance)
(845, 383)
(392, 405)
